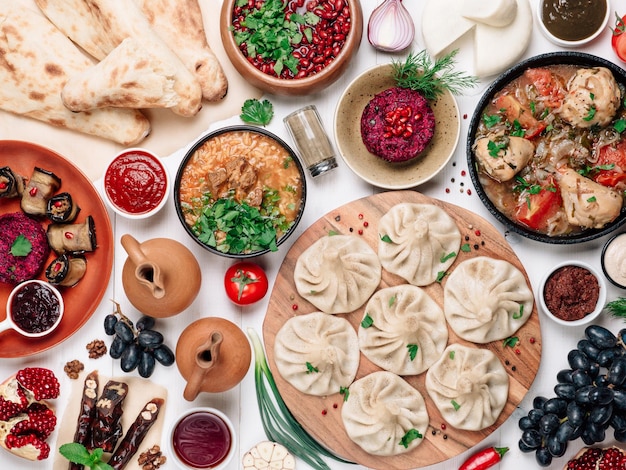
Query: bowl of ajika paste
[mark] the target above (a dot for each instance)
(136, 184)
(573, 293)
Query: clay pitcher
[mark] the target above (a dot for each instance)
(161, 277)
(213, 355)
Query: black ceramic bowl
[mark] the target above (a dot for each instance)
(181, 210)
(554, 58)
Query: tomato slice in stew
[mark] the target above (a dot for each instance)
(611, 164)
(514, 111)
(536, 209)
(547, 85)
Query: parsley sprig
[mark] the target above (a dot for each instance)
(258, 112)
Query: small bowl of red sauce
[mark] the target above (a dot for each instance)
(34, 309)
(136, 183)
(203, 438)
(573, 293)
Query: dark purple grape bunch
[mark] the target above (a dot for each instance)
(137, 346)
(590, 399)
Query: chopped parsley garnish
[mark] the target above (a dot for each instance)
(491, 120)
(392, 300)
(445, 257)
(21, 246)
(590, 114)
(345, 391)
(455, 405)
(386, 239)
(591, 199)
(510, 342)
(620, 125)
(412, 348)
(451, 355)
(367, 321)
(518, 130)
(257, 112)
(465, 247)
(495, 148)
(440, 276)
(409, 437)
(520, 313)
(310, 368)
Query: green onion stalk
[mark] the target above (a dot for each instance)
(279, 424)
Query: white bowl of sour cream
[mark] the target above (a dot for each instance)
(614, 260)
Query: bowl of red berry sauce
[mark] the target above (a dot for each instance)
(307, 52)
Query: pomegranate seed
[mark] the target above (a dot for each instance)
(532, 340)
(33, 192)
(294, 307)
(3, 185)
(68, 235)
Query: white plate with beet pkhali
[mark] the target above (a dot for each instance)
(370, 167)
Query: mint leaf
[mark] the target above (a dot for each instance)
(76, 453)
(21, 246)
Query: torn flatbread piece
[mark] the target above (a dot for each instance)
(36, 60)
(129, 77)
(179, 24)
(122, 19)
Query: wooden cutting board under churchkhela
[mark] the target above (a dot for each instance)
(321, 416)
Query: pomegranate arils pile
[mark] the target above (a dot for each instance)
(594, 458)
(25, 420)
(41, 382)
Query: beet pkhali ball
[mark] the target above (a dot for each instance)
(16, 269)
(397, 124)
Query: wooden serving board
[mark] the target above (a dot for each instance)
(321, 416)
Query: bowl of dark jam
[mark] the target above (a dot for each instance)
(34, 309)
(203, 438)
(573, 23)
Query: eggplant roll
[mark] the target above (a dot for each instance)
(72, 238)
(11, 184)
(40, 188)
(62, 209)
(66, 270)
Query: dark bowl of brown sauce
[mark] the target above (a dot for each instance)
(573, 23)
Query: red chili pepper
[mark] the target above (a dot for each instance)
(484, 459)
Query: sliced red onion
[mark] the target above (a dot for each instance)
(390, 27)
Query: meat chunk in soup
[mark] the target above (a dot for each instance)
(502, 157)
(593, 98)
(587, 203)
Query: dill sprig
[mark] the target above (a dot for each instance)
(419, 73)
(617, 308)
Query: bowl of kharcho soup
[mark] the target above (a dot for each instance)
(240, 191)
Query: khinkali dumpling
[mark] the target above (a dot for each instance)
(384, 415)
(337, 273)
(317, 353)
(486, 299)
(417, 242)
(469, 386)
(404, 330)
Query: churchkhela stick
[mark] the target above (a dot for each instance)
(86, 414)
(135, 434)
(107, 426)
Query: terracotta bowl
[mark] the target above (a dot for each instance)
(301, 86)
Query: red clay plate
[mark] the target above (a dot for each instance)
(83, 299)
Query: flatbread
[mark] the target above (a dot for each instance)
(129, 77)
(36, 60)
(76, 20)
(179, 23)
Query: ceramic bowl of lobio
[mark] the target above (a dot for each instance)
(569, 286)
(136, 184)
(237, 185)
(334, 41)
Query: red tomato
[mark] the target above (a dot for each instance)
(537, 208)
(245, 283)
(514, 111)
(546, 85)
(618, 41)
(613, 156)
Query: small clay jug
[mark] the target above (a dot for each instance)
(161, 277)
(213, 355)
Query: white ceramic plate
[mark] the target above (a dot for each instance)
(374, 169)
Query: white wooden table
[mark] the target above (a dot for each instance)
(324, 194)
